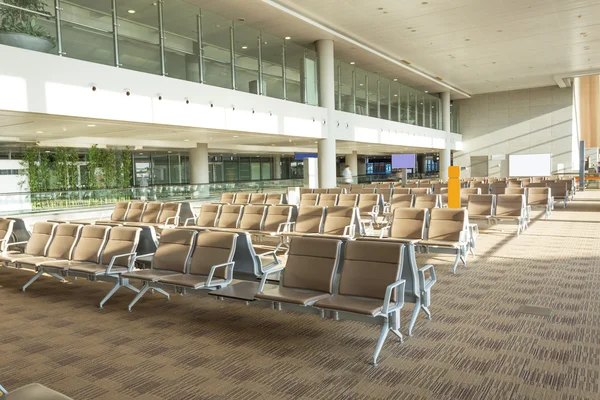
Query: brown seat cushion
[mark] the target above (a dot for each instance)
(95, 269)
(351, 304)
(65, 265)
(148, 274)
(287, 295)
(188, 280)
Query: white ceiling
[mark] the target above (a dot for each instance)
(23, 129)
(478, 46)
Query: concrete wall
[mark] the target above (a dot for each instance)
(518, 122)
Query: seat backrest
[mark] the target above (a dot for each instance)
(305, 191)
(312, 264)
(437, 188)
(242, 198)
(412, 185)
(402, 201)
(447, 224)
(135, 212)
(253, 217)
(369, 267)
(514, 190)
(209, 214)
(227, 198)
(466, 192)
(274, 198)
(427, 201)
(169, 210)
(309, 199)
(348, 200)
(6, 230)
(64, 241)
(385, 192)
(515, 183)
(510, 205)
(277, 215)
(310, 219)
(120, 211)
(230, 216)
(328, 200)
(485, 187)
(365, 190)
(336, 191)
(401, 190)
(91, 243)
(174, 250)
(421, 190)
(541, 184)
(538, 196)
(346, 186)
(498, 189)
(366, 202)
(481, 204)
(525, 181)
(337, 219)
(152, 211)
(320, 191)
(42, 235)
(409, 223)
(258, 198)
(559, 189)
(213, 248)
(121, 240)
(569, 182)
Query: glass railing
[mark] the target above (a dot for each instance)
(20, 203)
(361, 179)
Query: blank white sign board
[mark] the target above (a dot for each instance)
(530, 165)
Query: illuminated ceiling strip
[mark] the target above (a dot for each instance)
(362, 46)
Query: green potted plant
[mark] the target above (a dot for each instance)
(19, 28)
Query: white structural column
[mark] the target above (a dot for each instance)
(327, 169)
(352, 161)
(276, 166)
(199, 164)
(445, 153)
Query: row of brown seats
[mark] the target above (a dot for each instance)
(95, 252)
(498, 208)
(136, 213)
(338, 190)
(252, 198)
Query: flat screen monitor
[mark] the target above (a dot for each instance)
(302, 156)
(530, 165)
(403, 160)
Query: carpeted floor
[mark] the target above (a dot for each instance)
(477, 346)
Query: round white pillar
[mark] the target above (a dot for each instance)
(352, 161)
(327, 167)
(199, 164)
(445, 153)
(276, 166)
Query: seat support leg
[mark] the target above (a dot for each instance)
(144, 289)
(109, 294)
(161, 291)
(57, 276)
(125, 283)
(395, 326)
(35, 278)
(458, 257)
(384, 332)
(424, 308)
(415, 314)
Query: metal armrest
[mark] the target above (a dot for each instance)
(175, 221)
(376, 209)
(228, 266)
(263, 280)
(283, 227)
(426, 284)
(15, 243)
(190, 219)
(388, 296)
(384, 232)
(349, 230)
(114, 258)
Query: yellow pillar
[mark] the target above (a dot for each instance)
(454, 187)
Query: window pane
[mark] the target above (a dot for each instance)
(272, 66)
(138, 36)
(361, 92)
(216, 46)
(372, 88)
(294, 65)
(246, 58)
(384, 98)
(180, 22)
(347, 98)
(160, 170)
(311, 78)
(87, 30)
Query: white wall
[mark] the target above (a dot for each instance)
(12, 184)
(64, 87)
(518, 122)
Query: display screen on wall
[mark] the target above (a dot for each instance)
(302, 156)
(530, 165)
(403, 160)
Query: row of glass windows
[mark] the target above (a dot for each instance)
(176, 39)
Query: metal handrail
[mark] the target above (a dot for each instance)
(47, 15)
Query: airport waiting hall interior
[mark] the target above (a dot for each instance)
(278, 199)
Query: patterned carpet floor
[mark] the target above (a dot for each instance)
(477, 346)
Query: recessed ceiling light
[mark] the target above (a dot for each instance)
(287, 38)
(141, 154)
(236, 136)
(186, 140)
(91, 126)
(131, 11)
(427, 91)
(47, 151)
(361, 84)
(352, 63)
(244, 47)
(39, 131)
(395, 95)
(169, 152)
(395, 79)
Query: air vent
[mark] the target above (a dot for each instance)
(405, 62)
